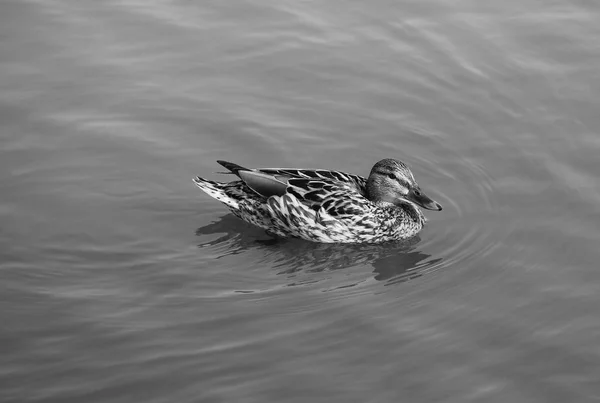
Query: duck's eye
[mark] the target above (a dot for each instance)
(392, 176)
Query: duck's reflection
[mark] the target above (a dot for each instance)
(396, 262)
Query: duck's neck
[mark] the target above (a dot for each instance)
(413, 212)
(374, 192)
(408, 211)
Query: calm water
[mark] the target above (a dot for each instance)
(122, 282)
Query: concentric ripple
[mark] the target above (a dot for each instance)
(469, 227)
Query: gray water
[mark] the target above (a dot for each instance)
(121, 282)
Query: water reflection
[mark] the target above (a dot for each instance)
(392, 262)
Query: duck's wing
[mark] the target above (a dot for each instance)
(336, 198)
(274, 181)
(256, 182)
(333, 192)
(356, 181)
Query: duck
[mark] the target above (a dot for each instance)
(326, 206)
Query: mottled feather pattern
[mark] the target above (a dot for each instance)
(318, 205)
(341, 177)
(337, 198)
(240, 199)
(217, 190)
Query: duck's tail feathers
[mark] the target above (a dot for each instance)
(216, 190)
(234, 168)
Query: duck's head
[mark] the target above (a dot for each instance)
(392, 181)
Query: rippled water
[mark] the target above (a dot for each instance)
(122, 282)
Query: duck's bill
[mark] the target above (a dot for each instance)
(423, 200)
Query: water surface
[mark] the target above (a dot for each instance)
(122, 282)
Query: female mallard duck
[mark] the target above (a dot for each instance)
(326, 206)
